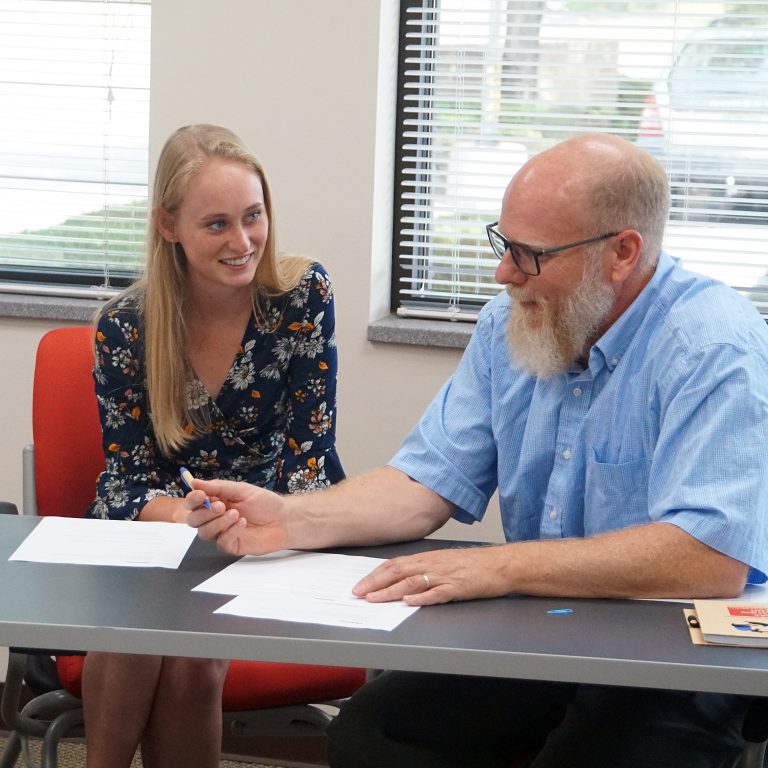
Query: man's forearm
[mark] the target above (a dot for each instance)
(657, 560)
(380, 506)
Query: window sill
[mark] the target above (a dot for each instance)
(387, 330)
(48, 307)
(425, 333)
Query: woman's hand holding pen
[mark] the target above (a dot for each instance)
(198, 500)
(243, 519)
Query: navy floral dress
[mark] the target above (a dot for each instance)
(272, 424)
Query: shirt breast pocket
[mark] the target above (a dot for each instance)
(616, 495)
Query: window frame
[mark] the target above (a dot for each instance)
(402, 255)
(106, 277)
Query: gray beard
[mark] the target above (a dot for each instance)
(550, 342)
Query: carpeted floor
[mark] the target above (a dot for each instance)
(72, 755)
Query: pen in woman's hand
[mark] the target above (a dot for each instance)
(186, 477)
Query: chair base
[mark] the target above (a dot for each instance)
(248, 722)
(50, 716)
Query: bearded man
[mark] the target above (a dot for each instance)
(620, 405)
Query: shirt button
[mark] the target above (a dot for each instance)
(577, 391)
(567, 453)
(615, 361)
(553, 514)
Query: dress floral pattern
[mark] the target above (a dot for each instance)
(273, 423)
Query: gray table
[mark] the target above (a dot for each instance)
(613, 642)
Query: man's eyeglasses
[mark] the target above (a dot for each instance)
(527, 259)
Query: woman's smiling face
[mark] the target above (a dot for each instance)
(222, 225)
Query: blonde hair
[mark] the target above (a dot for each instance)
(160, 292)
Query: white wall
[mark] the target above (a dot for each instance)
(299, 81)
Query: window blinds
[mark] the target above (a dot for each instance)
(486, 84)
(74, 118)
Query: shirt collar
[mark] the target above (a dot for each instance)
(611, 346)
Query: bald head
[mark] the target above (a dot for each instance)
(594, 183)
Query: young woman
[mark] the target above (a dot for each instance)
(220, 358)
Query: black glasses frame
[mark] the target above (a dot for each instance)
(521, 252)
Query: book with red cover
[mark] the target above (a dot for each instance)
(729, 622)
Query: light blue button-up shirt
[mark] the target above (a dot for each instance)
(669, 423)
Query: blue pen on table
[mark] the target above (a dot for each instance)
(187, 479)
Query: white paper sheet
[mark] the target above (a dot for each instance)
(753, 593)
(349, 611)
(307, 587)
(106, 542)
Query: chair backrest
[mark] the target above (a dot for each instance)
(65, 423)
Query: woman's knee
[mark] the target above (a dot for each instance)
(121, 669)
(201, 678)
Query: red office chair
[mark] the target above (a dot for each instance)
(67, 453)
